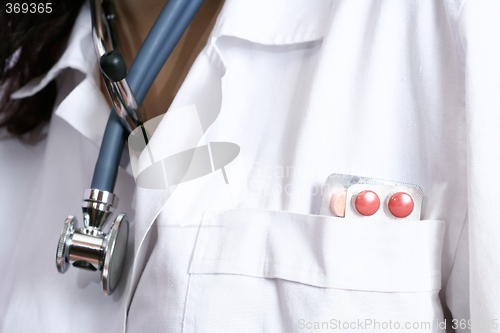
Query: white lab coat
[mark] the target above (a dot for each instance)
(399, 90)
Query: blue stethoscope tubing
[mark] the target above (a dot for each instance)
(161, 40)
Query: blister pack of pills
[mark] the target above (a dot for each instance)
(366, 198)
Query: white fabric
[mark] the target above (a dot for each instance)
(286, 247)
(478, 30)
(398, 90)
(312, 271)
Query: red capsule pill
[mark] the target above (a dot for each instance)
(367, 203)
(401, 204)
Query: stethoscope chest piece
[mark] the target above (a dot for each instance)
(114, 254)
(64, 244)
(89, 247)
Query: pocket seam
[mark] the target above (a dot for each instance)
(267, 265)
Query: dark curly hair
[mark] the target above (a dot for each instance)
(30, 44)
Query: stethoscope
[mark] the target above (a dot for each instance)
(90, 247)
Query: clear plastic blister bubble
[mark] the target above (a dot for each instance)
(368, 198)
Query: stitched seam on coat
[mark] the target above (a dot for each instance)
(186, 304)
(284, 265)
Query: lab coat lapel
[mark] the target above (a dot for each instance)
(204, 91)
(85, 109)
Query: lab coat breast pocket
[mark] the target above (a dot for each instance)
(273, 271)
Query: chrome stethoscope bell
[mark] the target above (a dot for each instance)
(88, 247)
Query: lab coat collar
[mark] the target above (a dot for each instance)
(276, 22)
(84, 107)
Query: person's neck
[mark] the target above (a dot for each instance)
(134, 19)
